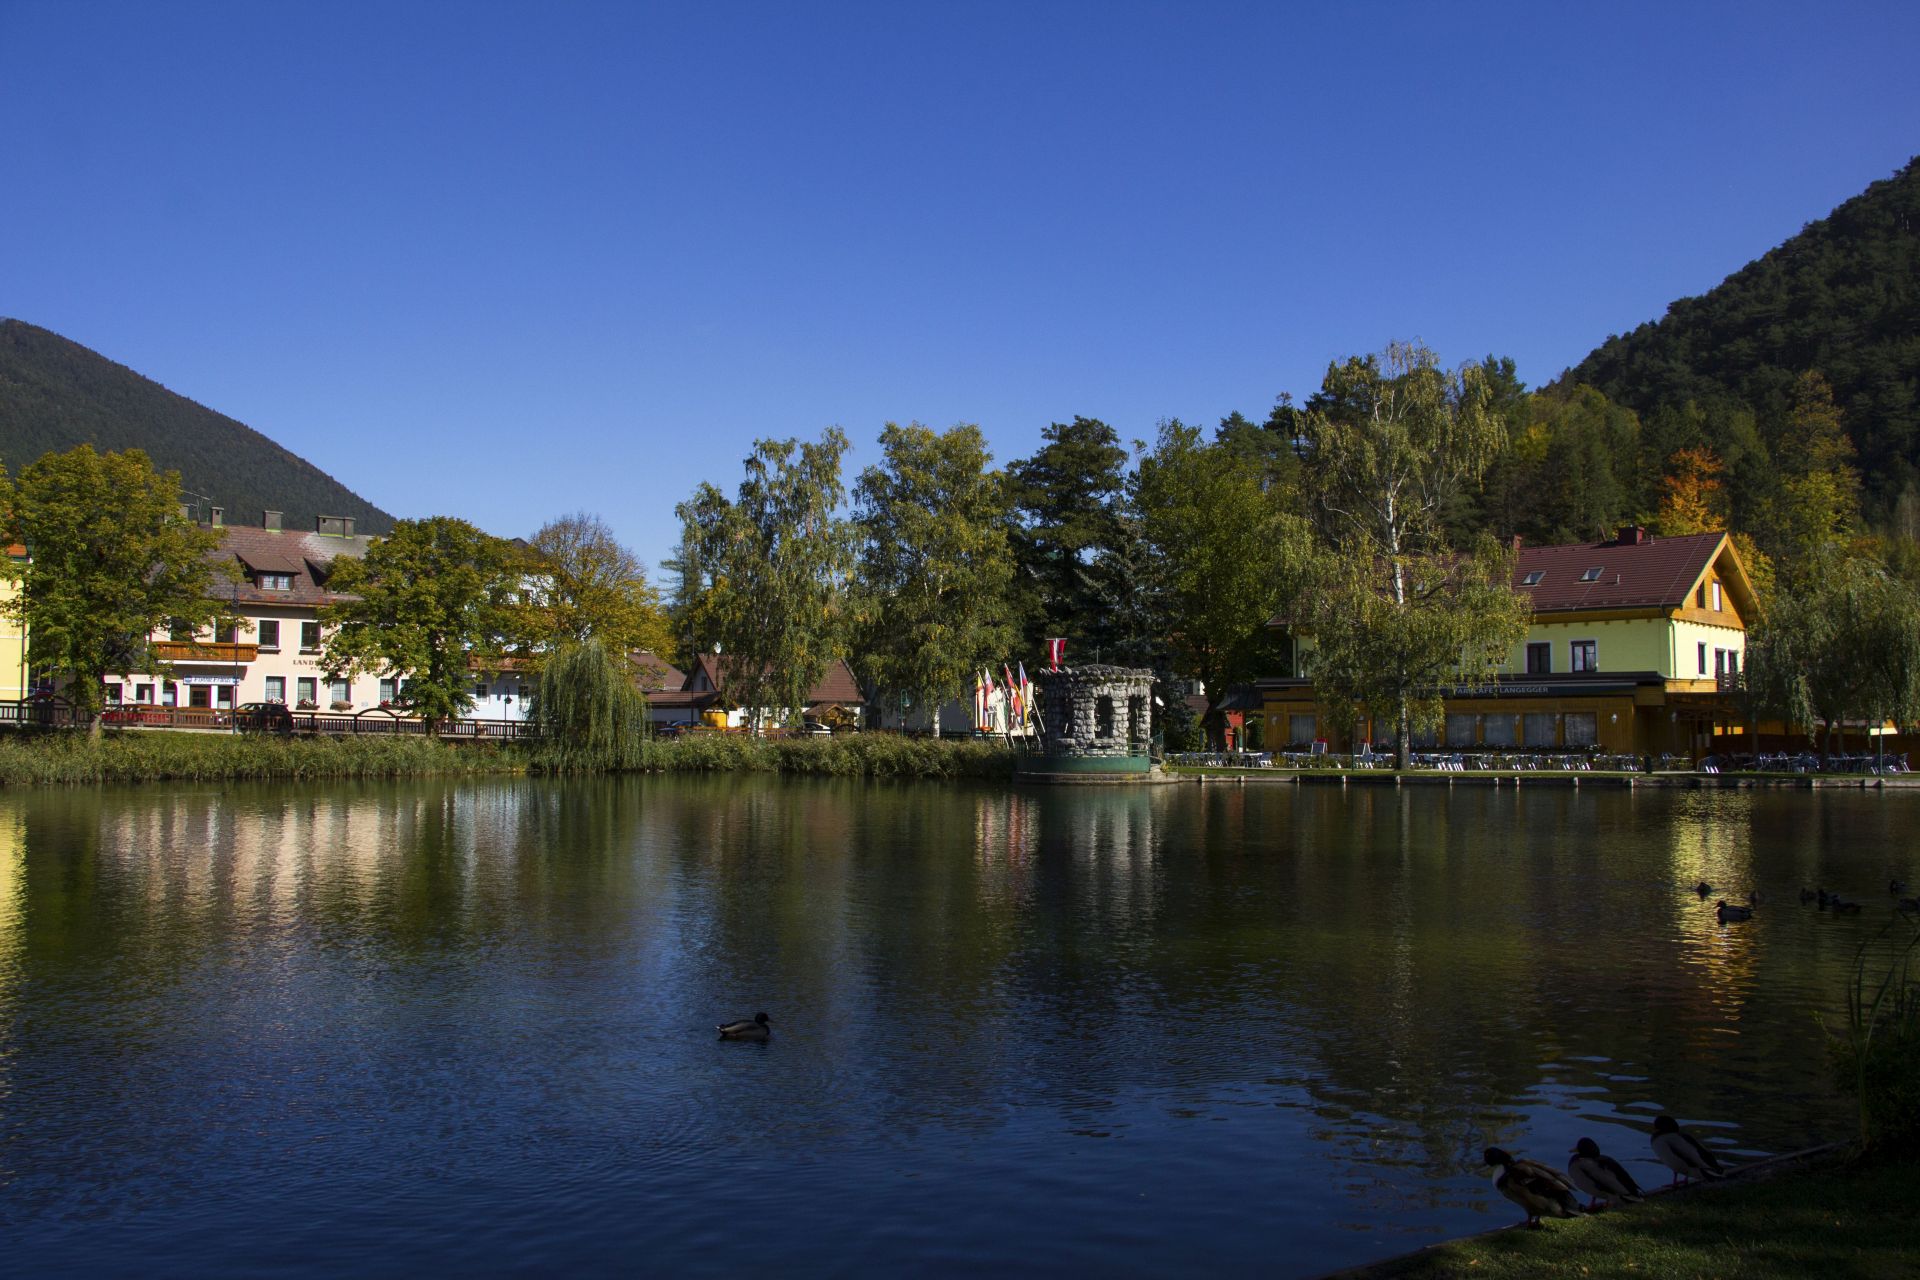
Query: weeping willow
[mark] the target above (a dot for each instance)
(590, 714)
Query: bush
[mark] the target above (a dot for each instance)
(1876, 1057)
(855, 755)
(145, 755)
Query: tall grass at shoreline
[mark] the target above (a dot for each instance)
(147, 755)
(52, 759)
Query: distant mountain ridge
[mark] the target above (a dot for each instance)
(1842, 297)
(55, 394)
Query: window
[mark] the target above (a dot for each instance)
(276, 582)
(308, 689)
(1539, 659)
(1733, 662)
(342, 692)
(1593, 574)
(1700, 596)
(169, 694)
(1583, 655)
(479, 688)
(270, 634)
(1501, 730)
(226, 633)
(1542, 728)
(113, 693)
(143, 693)
(1462, 729)
(1703, 657)
(198, 695)
(223, 695)
(388, 691)
(276, 688)
(309, 637)
(1103, 717)
(1533, 577)
(1582, 728)
(1716, 597)
(1299, 730)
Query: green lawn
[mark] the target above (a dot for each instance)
(1828, 1221)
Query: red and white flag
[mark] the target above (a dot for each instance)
(1056, 653)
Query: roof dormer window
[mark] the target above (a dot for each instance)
(1533, 577)
(1593, 574)
(276, 582)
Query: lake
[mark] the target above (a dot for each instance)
(467, 1027)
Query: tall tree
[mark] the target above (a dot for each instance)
(1066, 497)
(110, 559)
(432, 602)
(588, 585)
(935, 567)
(1818, 502)
(1692, 499)
(1391, 443)
(775, 561)
(1225, 549)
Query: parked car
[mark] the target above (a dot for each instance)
(674, 730)
(813, 728)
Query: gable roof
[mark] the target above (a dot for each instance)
(655, 674)
(307, 556)
(836, 685)
(1651, 573)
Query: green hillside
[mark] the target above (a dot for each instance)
(1841, 298)
(55, 394)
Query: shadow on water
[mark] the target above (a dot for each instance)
(469, 1025)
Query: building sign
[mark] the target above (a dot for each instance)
(206, 679)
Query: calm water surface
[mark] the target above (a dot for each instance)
(467, 1027)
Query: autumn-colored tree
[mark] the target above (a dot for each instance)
(1692, 498)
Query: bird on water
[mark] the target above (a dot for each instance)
(754, 1028)
(1703, 888)
(1600, 1176)
(1539, 1191)
(1683, 1153)
(1727, 913)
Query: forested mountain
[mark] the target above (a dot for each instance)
(55, 394)
(1841, 299)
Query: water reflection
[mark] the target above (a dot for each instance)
(1104, 1027)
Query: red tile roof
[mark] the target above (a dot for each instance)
(1656, 574)
(837, 685)
(307, 556)
(655, 674)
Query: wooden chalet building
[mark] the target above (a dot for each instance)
(1636, 645)
(700, 695)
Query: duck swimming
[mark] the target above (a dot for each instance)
(1601, 1177)
(1538, 1190)
(1728, 914)
(1683, 1153)
(745, 1029)
(1703, 888)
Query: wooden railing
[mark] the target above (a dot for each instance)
(55, 713)
(204, 651)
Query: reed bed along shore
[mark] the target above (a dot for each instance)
(68, 758)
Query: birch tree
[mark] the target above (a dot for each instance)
(1391, 441)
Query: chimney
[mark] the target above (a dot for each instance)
(219, 516)
(1632, 535)
(188, 513)
(337, 526)
(270, 520)
(346, 526)
(1515, 546)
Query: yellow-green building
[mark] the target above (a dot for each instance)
(14, 684)
(1635, 646)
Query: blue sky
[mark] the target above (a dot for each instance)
(507, 261)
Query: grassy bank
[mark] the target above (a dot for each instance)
(30, 759)
(53, 759)
(1833, 1219)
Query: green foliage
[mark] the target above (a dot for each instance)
(110, 561)
(1876, 1055)
(1842, 297)
(590, 714)
(60, 758)
(58, 394)
(1842, 643)
(431, 602)
(935, 569)
(1067, 501)
(1226, 553)
(591, 587)
(857, 755)
(773, 564)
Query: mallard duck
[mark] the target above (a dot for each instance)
(745, 1029)
(1726, 913)
(1683, 1153)
(1601, 1177)
(1703, 888)
(1538, 1190)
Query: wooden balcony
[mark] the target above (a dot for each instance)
(204, 651)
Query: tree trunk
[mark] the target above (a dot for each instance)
(96, 727)
(1402, 740)
(1214, 721)
(936, 719)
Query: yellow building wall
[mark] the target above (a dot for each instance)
(1633, 644)
(13, 647)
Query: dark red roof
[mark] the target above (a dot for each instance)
(307, 556)
(1657, 573)
(655, 674)
(837, 685)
